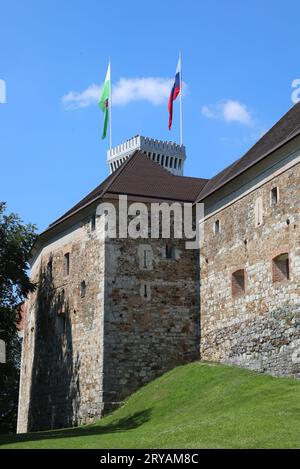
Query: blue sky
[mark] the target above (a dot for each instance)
(239, 60)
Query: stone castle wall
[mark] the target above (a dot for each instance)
(139, 318)
(62, 361)
(151, 315)
(259, 329)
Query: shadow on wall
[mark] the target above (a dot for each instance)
(55, 388)
(116, 426)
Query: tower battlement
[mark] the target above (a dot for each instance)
(169, 155)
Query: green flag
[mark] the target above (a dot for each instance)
(104, 102)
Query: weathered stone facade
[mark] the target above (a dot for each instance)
(259, 328)
(62, 371)
(138, 318)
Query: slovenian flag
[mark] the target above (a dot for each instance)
(175, 92)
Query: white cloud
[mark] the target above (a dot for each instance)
(229, 111)
(75, 99)
(155, 90)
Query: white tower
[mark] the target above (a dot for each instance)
(170, 155)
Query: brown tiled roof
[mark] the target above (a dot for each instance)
(140, 176)
(283, 131)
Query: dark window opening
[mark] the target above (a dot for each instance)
(49, 270)
(170, 252)
(61, 302)
(67, 263)
(281, 268)
(82, 289)
(238, 283)
(217, 226)
(274, 196)
(145, 259)
(93, 222)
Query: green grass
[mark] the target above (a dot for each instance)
(194, 406)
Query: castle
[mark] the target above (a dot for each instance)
(110, 314)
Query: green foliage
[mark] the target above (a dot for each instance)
(193, 406)
(16, 241)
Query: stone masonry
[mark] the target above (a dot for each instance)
(139, 318)
(259, 329)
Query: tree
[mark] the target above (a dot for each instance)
(16, 241)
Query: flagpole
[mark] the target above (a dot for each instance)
(110, 103)
(180, 98)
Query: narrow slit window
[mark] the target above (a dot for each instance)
(170, 252)
(93, 222)
(82, 289)
(49, 270)
(145, 259)
(274, 196)
(281, 268)
(67, 263)
(238, 283)
(217, 227)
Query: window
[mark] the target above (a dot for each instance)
(82, 289)
(145, 257)
(281, 268)
(162, 160)
(179, 164)
(217, 227)
(238, 283)
(49, 270)
(170, 252)
(171, 162)
(67, 263)
(93, 222)
(61, 302)
(145, 291)
(274, 196)
(167, 161)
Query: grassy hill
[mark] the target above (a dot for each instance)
(194, 406)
